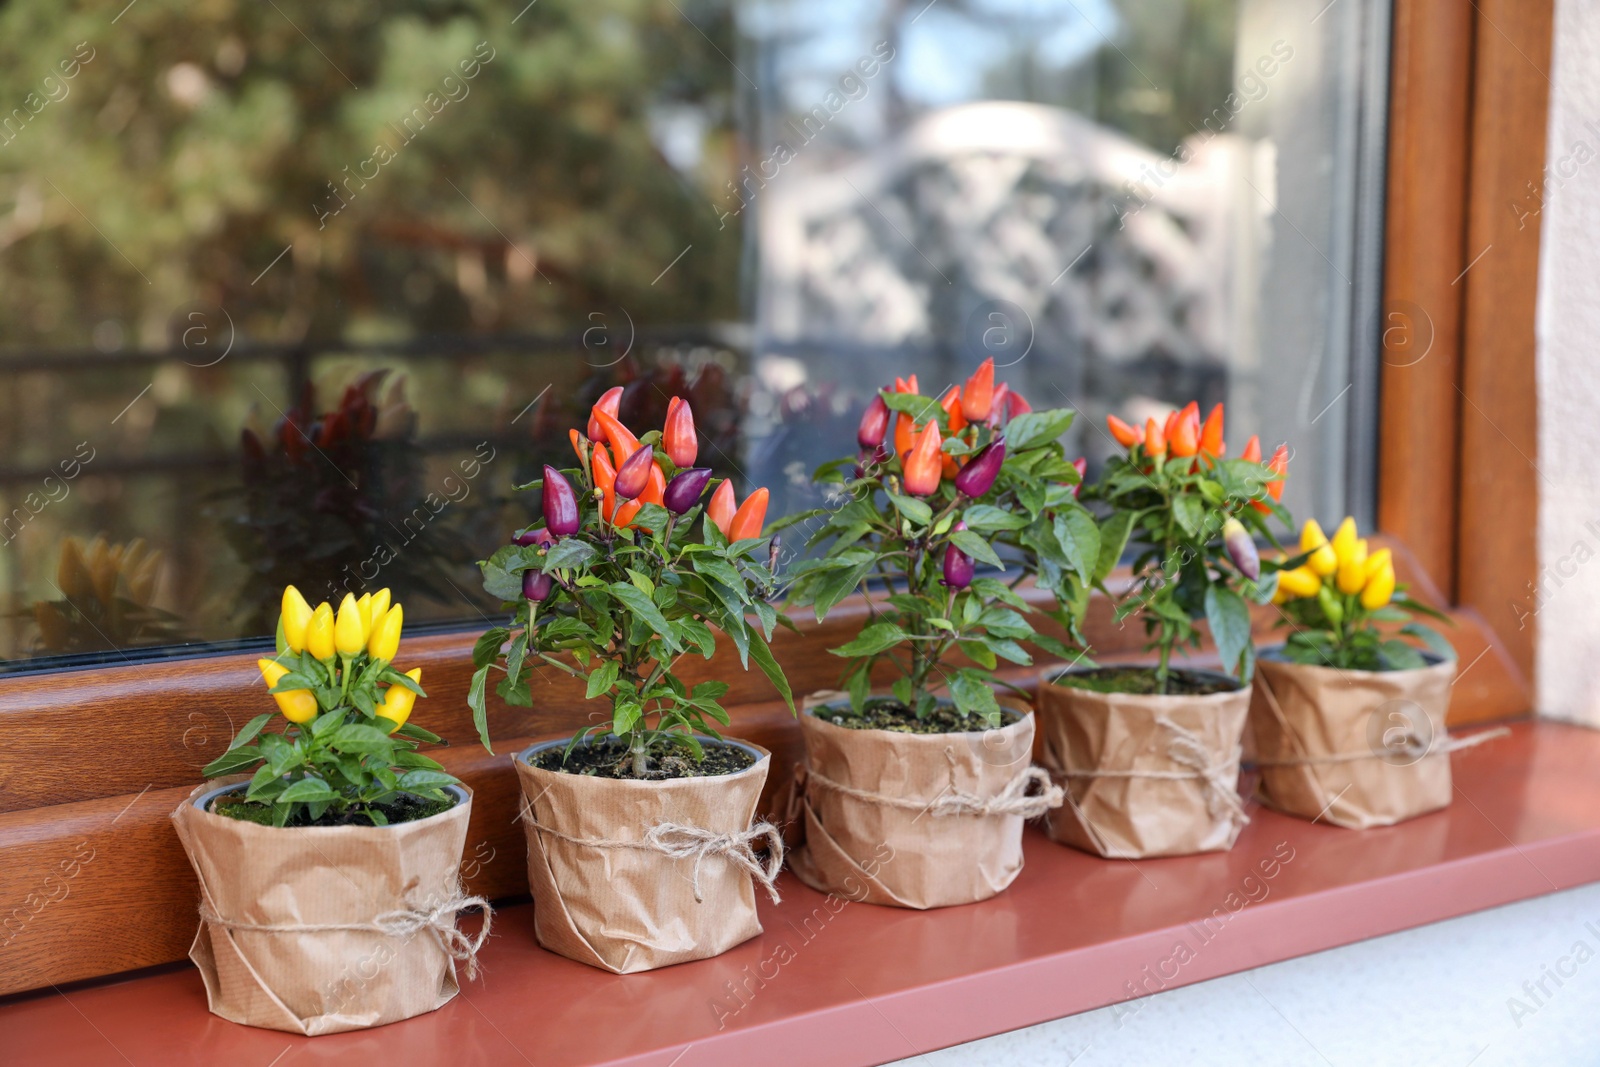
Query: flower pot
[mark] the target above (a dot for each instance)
(1352, 748)
(914, 820)
(633, 875)
(319, 929)
(1145, 775)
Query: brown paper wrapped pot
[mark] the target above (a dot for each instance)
(1353, 748)
(1145, 775)
(875, 814)
(604, 897)
(322, 981)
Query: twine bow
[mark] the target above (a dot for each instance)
(680, 842)
(402, 924)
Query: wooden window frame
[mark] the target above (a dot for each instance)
(93, 761)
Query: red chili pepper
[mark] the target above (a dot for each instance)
(1081, 465)
(906, 385)
(1211, 443)
(977, 396)
(1184, 440)
(1252, 450)
(610, 402)
(923, 467)
(677, 434)
(951, 402)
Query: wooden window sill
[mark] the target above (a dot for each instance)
(837, 983)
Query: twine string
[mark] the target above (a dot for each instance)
(401, 924)
(1016, 798)
(1188, 749)
(680, 842)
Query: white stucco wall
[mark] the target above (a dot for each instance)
(1567, 601)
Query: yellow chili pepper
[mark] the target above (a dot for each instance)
(1322, 559)
(378, 608)
(398, 701)
(1379, 589)
(1378, 561)
(1352, 569)
(297, 705)
(364, 609)
(349, 636)
(385, 640)
(319, 633)
(1299, 582)
(1344, 540)
(296, 616)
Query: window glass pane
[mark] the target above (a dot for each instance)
(300, 292)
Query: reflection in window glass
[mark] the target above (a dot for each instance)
(301, 292)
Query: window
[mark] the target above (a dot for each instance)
(300, 293)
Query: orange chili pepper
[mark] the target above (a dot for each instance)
(721, 509)
(922, 467)
(1126, 436)
(906, 385)
(1155, 441)
(1211, 443)
(1279, 465)
(951, 402)
(678, 438)
(1184, 440)
(605, 480)
(1252, 450)
(747, 521)
(655, 491)
(621, 439)
(977, 396)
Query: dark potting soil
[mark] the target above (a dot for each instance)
(404, 808)
(611, 758)
(1142, 681)
(895, 716)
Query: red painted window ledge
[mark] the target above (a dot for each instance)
(839, 983)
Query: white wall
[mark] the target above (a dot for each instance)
(1566, 604)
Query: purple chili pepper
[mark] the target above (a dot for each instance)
(633, 477)
(874, 424)
(980, 472)
(560, 504)
(538, 536)
(957, 568)
(536, 586)
(683, 492)
(1241, 549)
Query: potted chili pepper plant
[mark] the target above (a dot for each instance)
(975, 477)
(641, 848)
(328, 878)
(1149, 755)
(1348, 714)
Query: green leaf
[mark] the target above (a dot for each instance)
(422, 778)
(235, 759)
(1229, 617)
(872, 640)
(487, 648)
(355, 737)
(1113, 541)
(498, 579)
(970, 690)
(1401, 656)
(980, 653)
(976, 547)
(475, 701)
(769, 667)
(1037, 427)
(1010, 650)
(986, 518)
(305, 791)
(602, 678)
(568, 553)
(1190, 513)
(1432, 638)
(326, 722)
(624, 714)
(1080, 540)
(394, 677)
(912, 508)
(645, 608)
(417, 733)
(250, 730)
